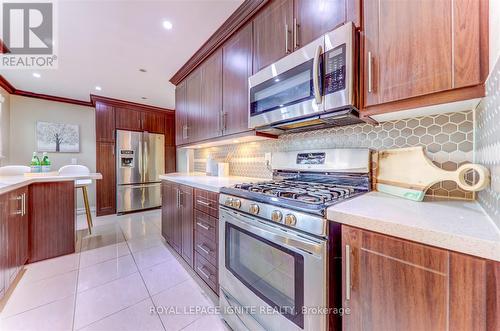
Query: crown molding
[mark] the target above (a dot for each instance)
(126, 104)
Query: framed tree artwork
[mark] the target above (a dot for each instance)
(57, 137)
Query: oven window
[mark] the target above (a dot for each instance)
(274, 273)
(291, 87)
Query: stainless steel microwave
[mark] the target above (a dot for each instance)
(311, 87)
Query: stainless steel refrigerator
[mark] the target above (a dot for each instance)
(139, 163)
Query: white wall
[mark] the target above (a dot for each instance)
(494, 20)
(4, 126)
(25, 112)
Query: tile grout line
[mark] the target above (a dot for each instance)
(143, 281)
(76, 288)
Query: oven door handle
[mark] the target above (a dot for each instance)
(317, 92)
(294, 242)
(236, 311)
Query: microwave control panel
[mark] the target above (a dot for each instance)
(335, 61)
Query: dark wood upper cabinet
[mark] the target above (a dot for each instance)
(153, 122)
(209, 122)
(440, 47)
(105, 122)
(194, 126)
(273, 33)
(128, 119)
(106, 187)
(314, 18)
(181, 113)
(394, 282)
(237, 67)
(170, 130)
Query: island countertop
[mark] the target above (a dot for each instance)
(209, 183)
(460, 226)
(10, 183)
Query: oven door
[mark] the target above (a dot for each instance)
(268, 275)
(288, 89)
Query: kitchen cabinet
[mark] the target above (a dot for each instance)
(181, 113)
(273, 33)
(395, 284)
(177, 218)
(153, 122)
(104, 122)
(106, 187)
(17, 233)
(193, 107)
(128, 119)
(209, 123)
(441, 50)
(237, 67)
(3, 243)
(52, 220)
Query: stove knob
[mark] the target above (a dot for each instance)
(254, 209)
(228, 202)
(276, 216)
(236, 203)
(290, 220)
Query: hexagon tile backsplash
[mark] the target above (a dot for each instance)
(447, 138)
(487, 147)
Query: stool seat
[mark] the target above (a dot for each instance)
(14, 170)
(82, 182)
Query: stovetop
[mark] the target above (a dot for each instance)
(311, 194)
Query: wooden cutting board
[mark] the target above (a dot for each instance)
(408, 173)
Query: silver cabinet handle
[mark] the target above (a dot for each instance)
(317, 92)
(370, 68)
(206, 251)
(19, 211)
(204, 203)
(24, 204)
(203, 226)
(347, 272)
(178, 198)
(207, 276)
(185, 134)
(295, 34)
(287, 50)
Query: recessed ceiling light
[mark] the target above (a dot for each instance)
(36, 75)
(98, 88)
(142, 70)
(167, 25)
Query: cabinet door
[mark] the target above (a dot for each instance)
(169, 130)
(186, 217)
(170, 159)
(153, 122)
(105, 187)
(209, 121)
(4, 215)
(193, 107)
(272, 33)
(413, 55)
(181, 114)
(24, 228)
(313, 18)
(168, 210)
(14, 234)
(104, 122)
(128, 119)
(237, 67)
(393, 283)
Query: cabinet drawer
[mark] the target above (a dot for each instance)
(205, 224)
(207, 202)
(205, 247)
(206, 271)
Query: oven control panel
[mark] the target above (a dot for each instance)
(335, 69)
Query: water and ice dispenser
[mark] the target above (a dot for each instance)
(127, 158)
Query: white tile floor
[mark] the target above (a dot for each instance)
(116, 277)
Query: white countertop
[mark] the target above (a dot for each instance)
(460, 226)
(209, 183)
(10, 183)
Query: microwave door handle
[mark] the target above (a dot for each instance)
(317, 92)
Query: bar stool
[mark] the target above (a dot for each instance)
(79, 170)
(14, 170)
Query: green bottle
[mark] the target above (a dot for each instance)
(45, 163)
(35, 163)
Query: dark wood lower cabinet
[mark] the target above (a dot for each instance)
(191, 232)
(52, 220)
(106, 187)
(396, 284)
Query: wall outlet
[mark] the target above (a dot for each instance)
(268, 157)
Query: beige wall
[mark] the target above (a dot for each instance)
(25, 112)
(4, 126)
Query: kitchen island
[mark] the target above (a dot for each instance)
(37, 221)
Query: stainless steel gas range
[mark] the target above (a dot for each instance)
(273, 239)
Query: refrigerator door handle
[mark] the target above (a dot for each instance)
(140, 161)
(145, 139)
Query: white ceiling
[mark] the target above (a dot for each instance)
(105, 43)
